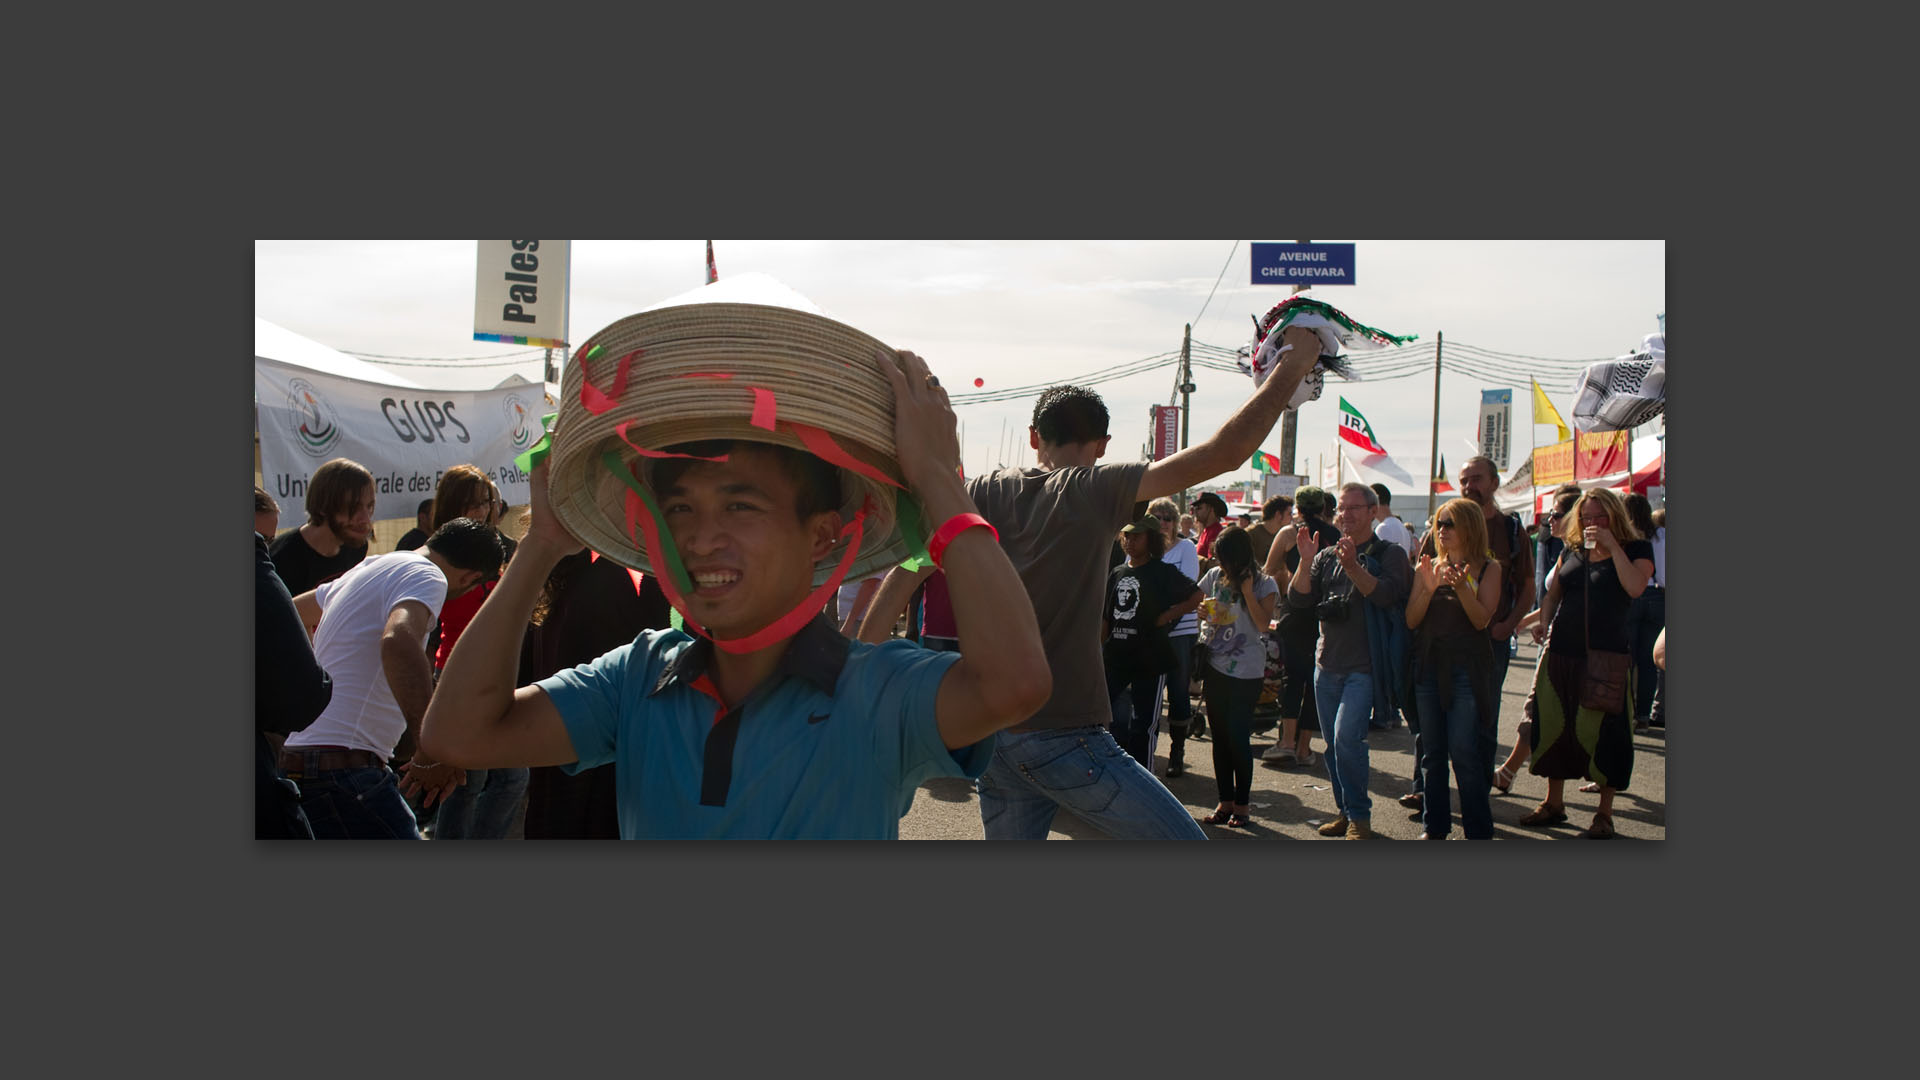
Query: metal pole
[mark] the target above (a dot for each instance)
(1290, 420)
(1186, 388)
(1433, 447)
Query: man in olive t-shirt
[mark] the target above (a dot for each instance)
(1056, 522)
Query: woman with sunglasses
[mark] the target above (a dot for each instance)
(1453, 600)
(1589, 598)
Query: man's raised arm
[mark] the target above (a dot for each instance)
(477, 719)
(889, 602)
(1002, 675)
(1230, 447)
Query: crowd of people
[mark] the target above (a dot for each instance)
(469, 686)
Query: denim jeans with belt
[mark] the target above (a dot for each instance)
(356, 804)
(483, 807)
(1644, 620)
(1345, 701)
(1454, 734)
(1035, 773)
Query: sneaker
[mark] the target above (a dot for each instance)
(1335, 827)
(1175, 770)
(1360, 830)
(1276, 752)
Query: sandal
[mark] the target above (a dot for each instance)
(1601, 829)
(1413, 800)
(1503, 780)
(1240, 821)
(1545, 815)
(1218, 817)
(1590, 786)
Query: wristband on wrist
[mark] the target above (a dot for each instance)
(955, 525)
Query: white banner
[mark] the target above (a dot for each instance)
(1282, 484)
(520, 292)
(406, 437)
(1496, 425)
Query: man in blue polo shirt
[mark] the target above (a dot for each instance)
(809, 736)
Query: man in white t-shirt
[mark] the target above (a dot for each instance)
(371, 627)
(1388, 527)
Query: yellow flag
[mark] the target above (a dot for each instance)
(1545, 413)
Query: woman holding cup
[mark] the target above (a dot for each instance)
(1589, 600)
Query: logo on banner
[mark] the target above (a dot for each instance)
(316, 427)
(517, 412)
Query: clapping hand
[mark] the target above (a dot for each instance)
(1308, 544)
(1450, 574)
(1427, 573)
(1349, 554)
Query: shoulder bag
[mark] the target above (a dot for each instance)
(1605, 685)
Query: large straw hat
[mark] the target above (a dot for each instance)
(706, 365)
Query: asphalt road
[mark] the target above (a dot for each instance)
(1289, 804)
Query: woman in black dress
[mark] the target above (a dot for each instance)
(1605, 565)
(1298, 632)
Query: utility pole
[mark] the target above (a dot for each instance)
(1433, 447)
(1289, 420)
(1186, 388)
(547, 371)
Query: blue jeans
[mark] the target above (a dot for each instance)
(1035, 773)
(1454, 734)
(1345, 702)
(483, 807)
(1644, 620)
(356, 804)
(1130, 695)
(1179, 681)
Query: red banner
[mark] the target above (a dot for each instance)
(1599, 453)
(1166, 431)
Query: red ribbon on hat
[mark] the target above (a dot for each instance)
(593, 399)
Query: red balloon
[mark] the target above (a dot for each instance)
(979, 382)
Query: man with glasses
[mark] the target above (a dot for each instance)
(1339, 584)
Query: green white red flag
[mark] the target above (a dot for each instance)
(1355, 429)
(1265, 462)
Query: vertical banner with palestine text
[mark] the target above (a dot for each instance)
(520, 292)
(1496, 426)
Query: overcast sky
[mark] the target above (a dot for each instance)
(1015, 313)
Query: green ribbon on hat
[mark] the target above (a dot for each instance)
(535, 454)
(913, 530)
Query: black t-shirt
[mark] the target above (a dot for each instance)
(303, 568)
(1296, 622)
(1581, 580)
(415, 537)
(1136, 597)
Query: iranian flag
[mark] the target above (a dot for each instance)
(1265, 462)
(1355, 429)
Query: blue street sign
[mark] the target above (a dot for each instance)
(1302, 264)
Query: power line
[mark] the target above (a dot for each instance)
(443, 361)
(1217, 281)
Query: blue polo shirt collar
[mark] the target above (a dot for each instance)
(817, 653)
